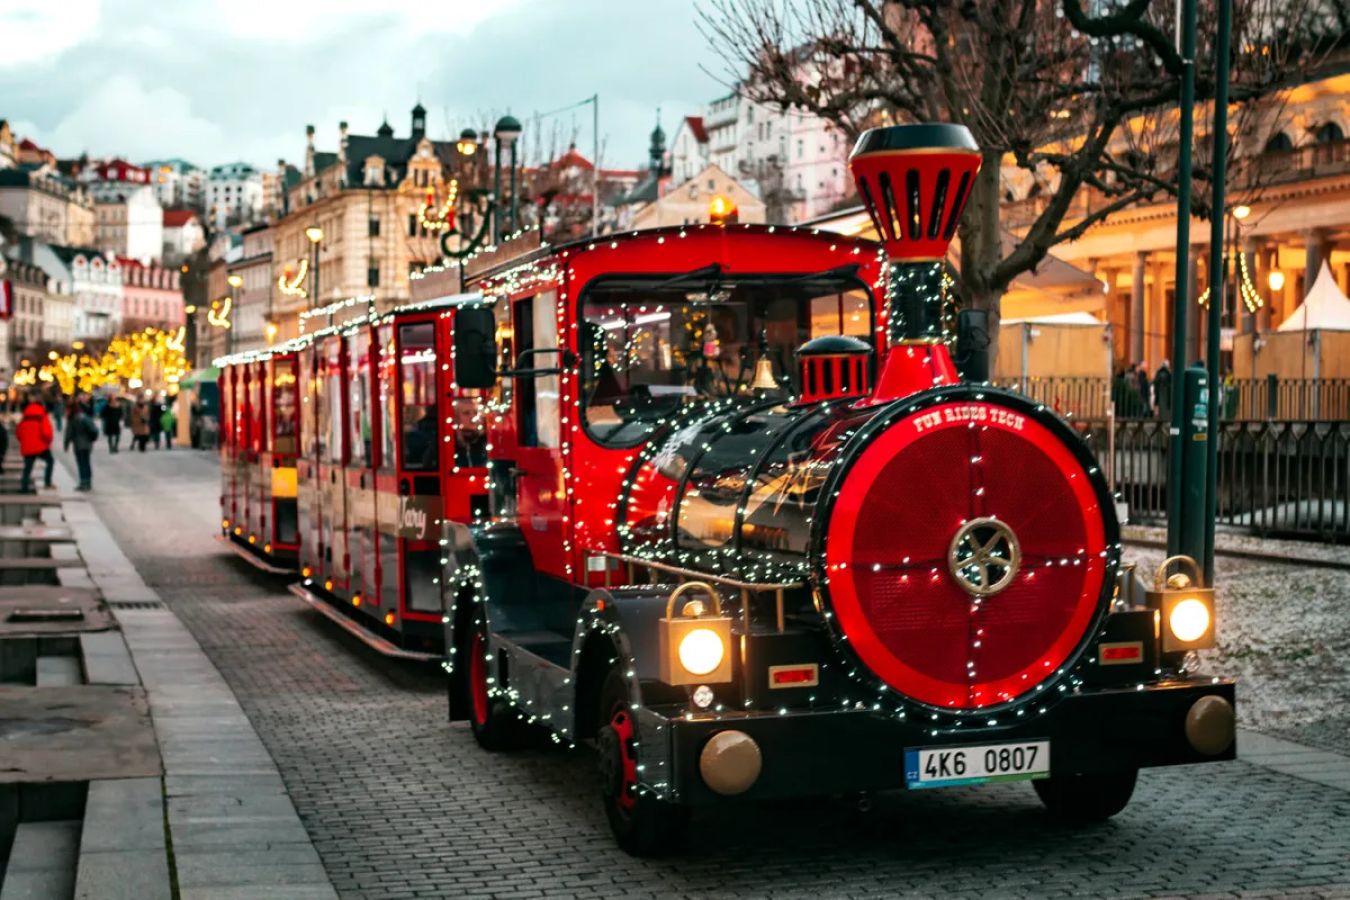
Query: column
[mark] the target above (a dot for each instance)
(1159, 320)
(1135, 345)
(1315, 251)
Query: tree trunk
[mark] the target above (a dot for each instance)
(982, 248)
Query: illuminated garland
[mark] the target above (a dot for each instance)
(219, 313)
(1251, 298)
(442, 219)
(151, 356)
(294, 287)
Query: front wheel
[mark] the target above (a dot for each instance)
(642, 824)
(495, 724)
(1088, 798)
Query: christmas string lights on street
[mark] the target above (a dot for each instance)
(151, 356)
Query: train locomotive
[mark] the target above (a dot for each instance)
(840, 569)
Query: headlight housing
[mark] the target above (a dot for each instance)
(1185, 608)
(695, 645)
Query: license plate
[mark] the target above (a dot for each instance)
(931, 767)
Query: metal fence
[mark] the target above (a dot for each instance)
(1276, 478)
(1246, 399)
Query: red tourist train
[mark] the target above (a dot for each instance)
(743, 526)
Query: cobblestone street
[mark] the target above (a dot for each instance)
(400, 803)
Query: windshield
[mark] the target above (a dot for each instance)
(649, 348)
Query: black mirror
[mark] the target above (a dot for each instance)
(972, 344)
(475, 347)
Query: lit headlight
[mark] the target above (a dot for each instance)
(701, 651)
(1189, 620)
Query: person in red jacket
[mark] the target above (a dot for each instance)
(35, 435)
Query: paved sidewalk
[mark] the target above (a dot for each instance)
(233, 828)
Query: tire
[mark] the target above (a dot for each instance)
(1085, 799)
(642, 825)
(496, 725)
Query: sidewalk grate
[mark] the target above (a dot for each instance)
(136, 604)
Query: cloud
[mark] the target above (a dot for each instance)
(211, 82)
(38, 29)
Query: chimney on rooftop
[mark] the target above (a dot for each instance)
(309, 151)
(342, 151)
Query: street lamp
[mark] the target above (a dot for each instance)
(315, 235)
(467, 145)
(235, 281)
(508, 128)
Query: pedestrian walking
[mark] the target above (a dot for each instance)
(140, 424)
(4, 437)
(156, 426)
(112, 422)
(81, 436)
(35, 436)
(1162, 390)
(1141, 378)
(167, 423)
(56, 408)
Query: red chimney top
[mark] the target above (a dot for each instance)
(914, 181)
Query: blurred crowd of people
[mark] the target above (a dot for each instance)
(39, 416)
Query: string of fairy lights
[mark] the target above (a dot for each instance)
(150, 357)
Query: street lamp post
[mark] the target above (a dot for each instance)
(505, 133)
(315, 235)
(235, 280)
(1220, 172)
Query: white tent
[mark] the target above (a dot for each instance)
(1069, 318)
(1325, 308)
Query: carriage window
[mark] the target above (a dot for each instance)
(470, 432)
(388, 391)
(308, 397)
(256, 434)
(651, 347)
(283, 406)
(330, 412)
(360, 432)
(417, 395)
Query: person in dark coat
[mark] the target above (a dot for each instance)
(1141, 377)
(112, 423)
(81, 435)
(1162, 390)
(35, 435)
(156, 423)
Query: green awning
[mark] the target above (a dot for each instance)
(197, 376)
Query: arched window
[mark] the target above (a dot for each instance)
(1279, 142)
(1330, 133)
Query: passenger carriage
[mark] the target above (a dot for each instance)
(382, 448)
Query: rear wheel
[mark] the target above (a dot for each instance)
(1084, 799)
(642, 824)
(496, 725)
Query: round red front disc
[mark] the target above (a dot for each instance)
(965, 554)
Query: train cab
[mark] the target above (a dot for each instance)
(754, 536)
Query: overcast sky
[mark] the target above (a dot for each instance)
(215, 81)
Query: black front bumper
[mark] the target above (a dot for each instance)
(820, 753)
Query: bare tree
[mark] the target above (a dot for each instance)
(1075, 114)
